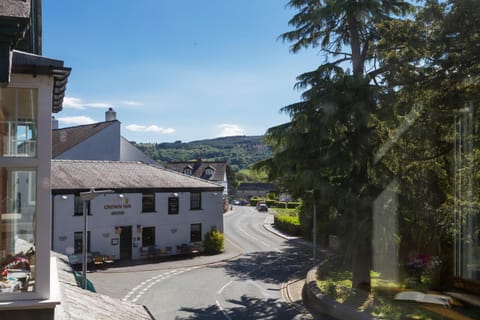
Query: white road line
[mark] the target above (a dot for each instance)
(218, 302)
(138, 291)
(252, 237)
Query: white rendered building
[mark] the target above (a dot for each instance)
(149, 208)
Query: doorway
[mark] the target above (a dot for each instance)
(126, 243)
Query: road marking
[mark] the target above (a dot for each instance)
(137, 292)
(249, 235)
(218, 302)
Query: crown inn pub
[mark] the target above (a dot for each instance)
(145, 211)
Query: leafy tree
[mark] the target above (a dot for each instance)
(330, 142)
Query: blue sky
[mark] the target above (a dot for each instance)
(175, 70)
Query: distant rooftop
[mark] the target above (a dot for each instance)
(199, 167)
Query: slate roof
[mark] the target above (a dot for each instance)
(198, 168)
(15, 9)
(79, 304)
(118, 175)
(66, 138)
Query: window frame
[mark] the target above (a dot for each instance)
(148, 206)
(78, 207)
(151, 237)
(195, 203)
(78, 242)
(41, 163)
(195, 235)
(173, 208)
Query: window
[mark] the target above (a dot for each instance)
(148, 202)
(148, 236)
(173, 205)
(187, 171)
(19, 122)
(195, 232)
(208, 171)
(78, 210)
(78, 242)
(195, 200)
(18, 207)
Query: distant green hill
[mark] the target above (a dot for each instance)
(240, 152)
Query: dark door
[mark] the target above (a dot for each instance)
(126, 243)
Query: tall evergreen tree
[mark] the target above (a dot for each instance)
(330, 142)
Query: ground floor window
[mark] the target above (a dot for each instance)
(195, 232)
(78, 242)
(148, 236)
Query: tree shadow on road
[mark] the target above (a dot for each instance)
(246, 308)
(270, 266)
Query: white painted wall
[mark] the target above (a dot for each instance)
(105, 145)
(129, 152)
(171, 230)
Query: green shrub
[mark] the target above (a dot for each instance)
(213, 242)
(288, 223)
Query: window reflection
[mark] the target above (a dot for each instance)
(18, 122)
(17, 229)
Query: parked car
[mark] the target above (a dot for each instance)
(262, 207)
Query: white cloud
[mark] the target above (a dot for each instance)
(77, 103)
(79, 120)
(131, 103)
(230, 130)
(150, 128)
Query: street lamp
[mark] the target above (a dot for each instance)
(87, 196)
(314, 240)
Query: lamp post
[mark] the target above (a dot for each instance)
(87, 196)
(314, 228)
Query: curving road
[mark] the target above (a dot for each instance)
(248, 286)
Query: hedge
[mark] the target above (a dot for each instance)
(288, 224)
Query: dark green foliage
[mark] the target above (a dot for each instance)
(213, 242)
(240, 152)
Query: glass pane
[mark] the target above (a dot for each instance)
(17, 229)
(466, 197)
(18, 122)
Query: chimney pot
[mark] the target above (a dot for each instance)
(54, 123)
(110, 115)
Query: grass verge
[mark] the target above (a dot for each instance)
(335, 281)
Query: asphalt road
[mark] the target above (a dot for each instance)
(246, 285)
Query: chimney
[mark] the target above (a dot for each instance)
(54, 123)
(110, 115)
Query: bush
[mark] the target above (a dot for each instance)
(213, 242)
(288, 223)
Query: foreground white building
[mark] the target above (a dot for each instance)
(150, 208)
